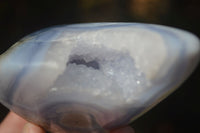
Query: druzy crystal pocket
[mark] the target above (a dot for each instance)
(94, 77)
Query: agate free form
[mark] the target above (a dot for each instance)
(94, 77)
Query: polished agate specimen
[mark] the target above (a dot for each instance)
(94, 77)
